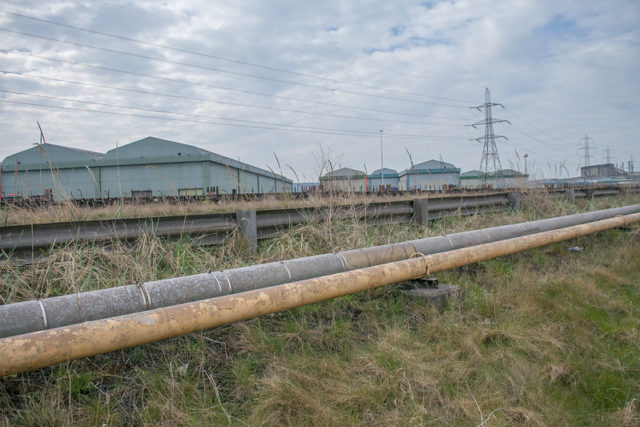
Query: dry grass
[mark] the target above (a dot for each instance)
(545, 337)
(12, 215)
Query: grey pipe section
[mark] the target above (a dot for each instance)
(30, 316)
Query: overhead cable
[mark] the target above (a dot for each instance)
(318, 131)
(220, 70)
(221, 58)
(208, 100)
(245, 91)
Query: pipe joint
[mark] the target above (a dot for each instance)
(145, 295)
(424, 258)
(44, 315)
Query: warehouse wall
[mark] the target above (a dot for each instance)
(162, 179)
(507, 182)
(73, 183)
(148, 167)
(428, 181)
(224, 177)
(248, 182)
(375, 182)
(345, 184)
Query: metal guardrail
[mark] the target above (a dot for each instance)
(210, 229)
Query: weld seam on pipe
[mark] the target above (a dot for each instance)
(286, 268)
(145, 295)
(44, 314)
(43, 348)
(217, 281)
(228, 281)
(343, 260)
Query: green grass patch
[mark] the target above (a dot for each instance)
(544, 337)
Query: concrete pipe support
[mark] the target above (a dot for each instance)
(29, 316)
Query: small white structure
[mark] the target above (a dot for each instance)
(430, 175)
(345, 180)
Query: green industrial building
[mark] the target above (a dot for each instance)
(150, 167)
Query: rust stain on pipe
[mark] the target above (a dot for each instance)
(43, 348)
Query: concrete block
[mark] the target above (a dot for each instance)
(437, 296)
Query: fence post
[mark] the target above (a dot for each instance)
(570, 195)
(246, 220)
(589, 193)
(515, 199)
(421, 211)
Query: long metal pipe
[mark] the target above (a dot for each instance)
(44, 348)
(29, 316)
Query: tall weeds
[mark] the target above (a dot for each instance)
(545, 337)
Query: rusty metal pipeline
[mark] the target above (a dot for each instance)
(44, 348)
(30, 316)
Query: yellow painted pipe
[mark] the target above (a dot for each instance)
(43, 348)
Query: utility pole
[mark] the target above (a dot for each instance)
(490, 161)
(608, 155)
(381, 160)
(586, 148)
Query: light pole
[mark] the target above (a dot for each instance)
(525, 164)
(381, 160)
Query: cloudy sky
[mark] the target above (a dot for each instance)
(311, 81)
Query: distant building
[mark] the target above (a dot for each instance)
(344, 179)
(384, 180)
(149, 167)
(305, 187)
(507, 178)
(430, 175)
(600, 171)
(51, 171)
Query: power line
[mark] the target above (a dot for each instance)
(204, 85)
(220, 58)
(524, 120)
(538, 130)
(102, 104)
(220, 70)
(192, 98)
(533, 138)
(256, 125)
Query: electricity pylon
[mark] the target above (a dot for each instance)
(587, 149)
(490, 160)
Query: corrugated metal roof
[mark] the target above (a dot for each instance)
(43, 154)
(88, 153)
(344, 172)
(386, 171)
(153, 147)
(434, 164)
